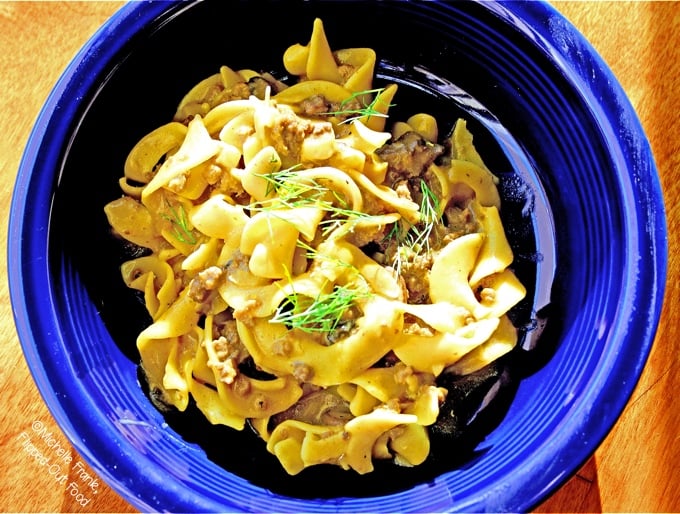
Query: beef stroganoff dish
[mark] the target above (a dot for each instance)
(312, 268)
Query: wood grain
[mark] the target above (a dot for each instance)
(637, 467)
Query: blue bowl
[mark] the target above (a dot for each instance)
(582, 204)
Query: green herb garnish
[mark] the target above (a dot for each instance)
(294, 193)
(180, 223)
(320, 314)
(284, 185)
(367, 110)
(429, 217)
(413, 240)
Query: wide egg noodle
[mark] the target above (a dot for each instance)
(155, 278)
(175, 171)
(279, 351)
(248, 205)
(299, 445)
(161, 346)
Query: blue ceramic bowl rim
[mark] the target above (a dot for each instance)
(28, 271)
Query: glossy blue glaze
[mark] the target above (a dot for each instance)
(592, 198)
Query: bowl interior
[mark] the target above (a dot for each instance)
(580, 203)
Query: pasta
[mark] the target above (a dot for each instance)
(309, 272)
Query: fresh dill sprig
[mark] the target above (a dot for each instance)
(322, 313)
(283, 183)
(292, 193)
(429, 217)
(395, 234)
(314, 254)
(339, 216)
(367, 110)
(289, 189)
(180, 223)
(416, 238)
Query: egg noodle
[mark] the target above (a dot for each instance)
(307, 272)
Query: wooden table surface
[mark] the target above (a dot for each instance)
(636, 469)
